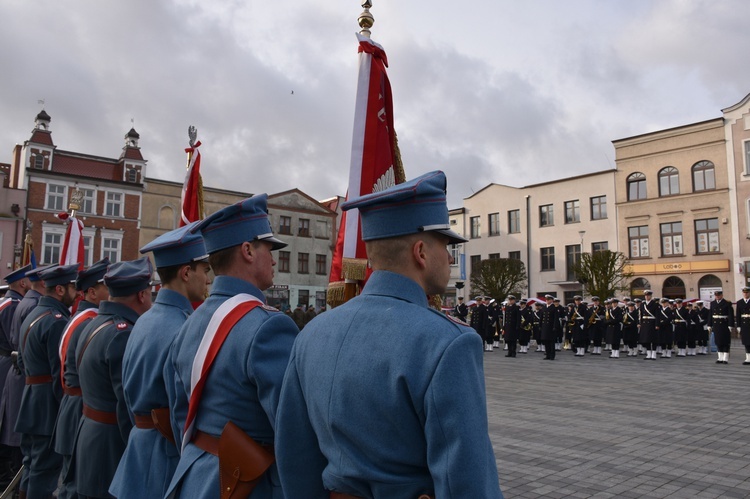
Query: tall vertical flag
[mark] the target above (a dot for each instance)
(192, 189)
(375, 163)
(72, 250)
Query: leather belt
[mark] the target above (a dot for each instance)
(99, 416)
(73, 391)
(341, 495)
(38, 380)
(209, 443)
(719, 316)
(144, 421)
(745, 315)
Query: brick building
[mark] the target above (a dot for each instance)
(112, 190)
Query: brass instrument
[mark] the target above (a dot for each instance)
(592, 318)
(525, 325)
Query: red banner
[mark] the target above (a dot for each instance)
(72, 250)
(192, 188)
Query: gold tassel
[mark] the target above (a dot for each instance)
(398, 167)
(201, 212)
(335, 294)
(354, 269)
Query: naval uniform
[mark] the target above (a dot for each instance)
(580, 334)
(146, 377)
(9, 455)
(40, 339)
(377, 415)
(648, 316)
(666, 329)
(480, 320)
(595, 321)
(525, 326)
(630, 330)
(548, 325)
(512, 327)
(461, 311)
(681, 319)
(743, 322)
(613, 320)
(242, 386)
(704, 314)
(69, 415)
(720, 320)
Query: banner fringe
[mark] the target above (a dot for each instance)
(354, 269)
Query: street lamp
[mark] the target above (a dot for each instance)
(583, 286)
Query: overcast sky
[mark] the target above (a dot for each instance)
(511, 92)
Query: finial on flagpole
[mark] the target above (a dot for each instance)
(192, 135)
(365, 19)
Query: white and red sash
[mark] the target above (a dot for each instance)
(6, 302)
(221, 323)
(76, 321)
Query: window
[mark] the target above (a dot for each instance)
(111, 248)
(304, 227)
(132, 175)
(474, 223)
(55, 197)
(320, 300)
(113, 206)
(283, 264)
(548, 258)
(599, 208)
(514, 255)
(88, 203)
(454, 250)
(703, 175)
(546, 215)
(303, 296)
(707, 235)
(494, 222)
(321, 229)
(572, 212)
(52, 239)
(475, 261)
(39, 162)
(321, 266)
(88, 253)
(636, 186)
(494, 256)
(669, 181)
(599, 247)
(747, 157)
(638, 239)
(514, 221)
(303, 263)
(285, 225)
(671, 239)
(572, 257)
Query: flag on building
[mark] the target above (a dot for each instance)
(192, 189)
(72, 250)
(375, 163)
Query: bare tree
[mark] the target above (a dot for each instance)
(498, 277)
(603, 272)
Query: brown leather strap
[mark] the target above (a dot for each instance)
(72, 391)
(91, 337)
(99, 416)
(33, 323)
(39, 380)
(144, 421)
(341, 495)
(160, 417)
(205, 442)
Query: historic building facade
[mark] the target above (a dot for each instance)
(545, 225)
(111, 188)
(12, 212)
(674, 210)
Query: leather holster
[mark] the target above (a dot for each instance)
(242, 462)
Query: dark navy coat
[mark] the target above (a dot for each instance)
(149, 455)
(548, 322)
(39, 349)
(743, 320)
(243, 385)
(720, 320)
(8, 307)
(648, 318)
(385, 398)
(99, 446)
(14, 382)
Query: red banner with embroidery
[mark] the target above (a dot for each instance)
(375, 161)
(192, 189)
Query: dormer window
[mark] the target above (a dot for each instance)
(39, 162)
(132, 175)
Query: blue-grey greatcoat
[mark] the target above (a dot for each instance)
(69, 415)
(40, 340)
(385, 398)
(148, 455)
(15, 382)
(99, 446)
(243, 385)
(13, 298)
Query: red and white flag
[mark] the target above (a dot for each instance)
(375, 162)
(192, 188)
(72, 250)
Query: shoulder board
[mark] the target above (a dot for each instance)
(269, 308)
(455, 319)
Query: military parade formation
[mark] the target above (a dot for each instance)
(194, 394)
(649, 326)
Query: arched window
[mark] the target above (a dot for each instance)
(707, 285)
(166, 218)
(704, 178)
(673, 287)
(636, 186)
(669, 181)
(638, 286)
